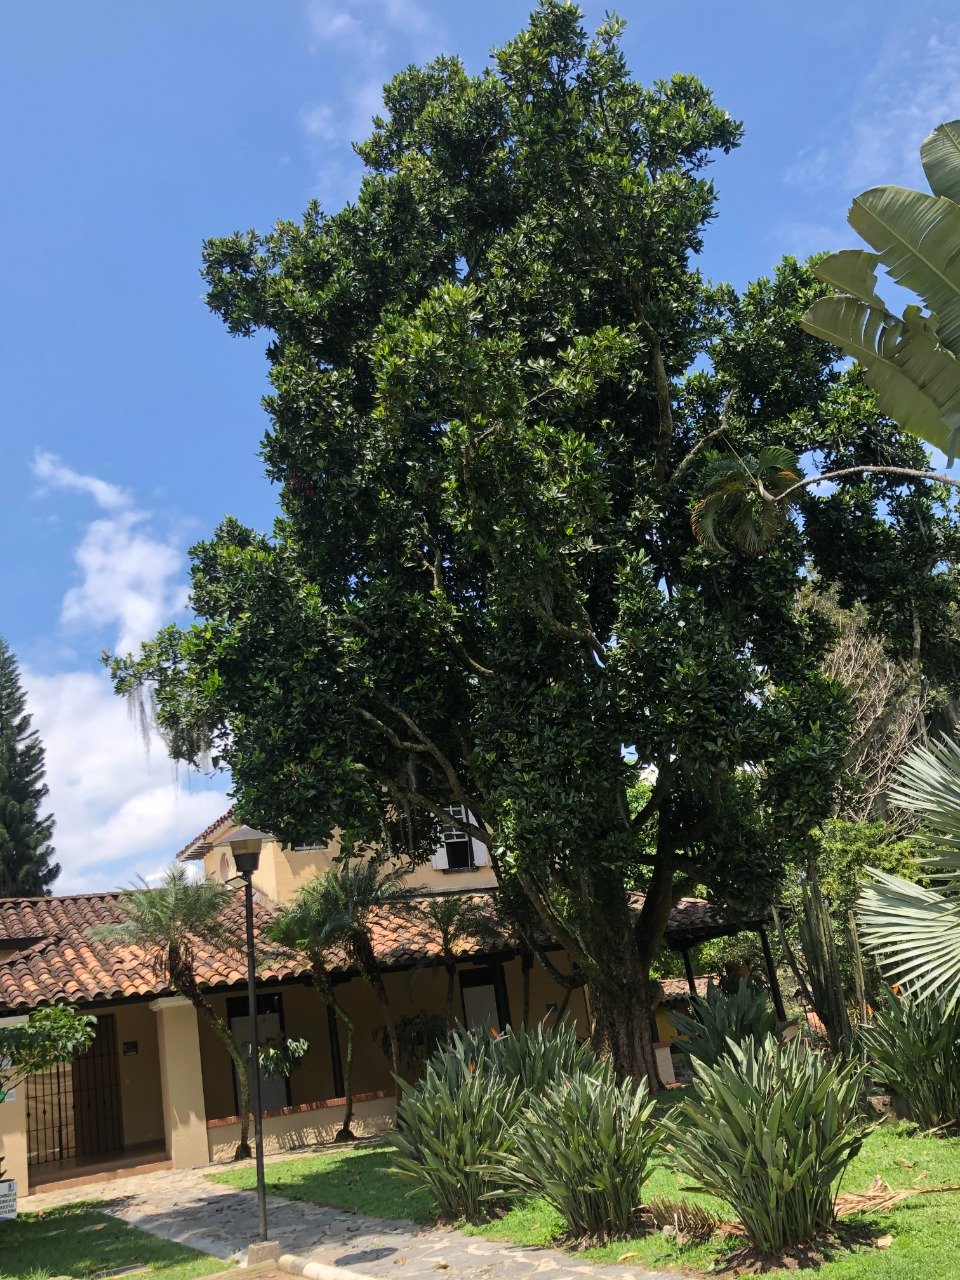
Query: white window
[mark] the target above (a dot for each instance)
(459, 851)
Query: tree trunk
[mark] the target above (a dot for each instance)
(622, 1029)
(526, 964)
(364, 953)
(346, 1133)
(451, 968)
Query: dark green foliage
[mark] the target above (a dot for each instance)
(721, 1020)
(771, 1128)
(913, 1047)
(533, 1060)
(26, 869)
(453, 1130)
(419, 1035)
(48, 1036)
(484, 584)
(585, 1145)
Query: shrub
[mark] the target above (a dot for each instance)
(721, 1019)
(456, 1126)
(912, 1048)
(532, 1060)
(454, 1129)
(771, 1128)
(585, 1146)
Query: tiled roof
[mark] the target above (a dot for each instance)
(67, 964)
(676, 990)
(70, 965)
(197, 847)
(57, 960)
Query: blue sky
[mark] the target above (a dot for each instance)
(130, 420)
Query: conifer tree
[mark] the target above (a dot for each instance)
(26, 869)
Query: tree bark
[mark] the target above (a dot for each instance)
(364, 953)
(346, 1133)
(451, 967)
(622, 1028)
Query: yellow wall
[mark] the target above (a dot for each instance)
(283, 871)
(140, 1093)
(305, 1128)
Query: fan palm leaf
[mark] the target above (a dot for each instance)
(913, 930)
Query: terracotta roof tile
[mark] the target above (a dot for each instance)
(58, 960)
(197, 847)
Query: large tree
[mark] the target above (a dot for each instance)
(26, 866)
(496, 378)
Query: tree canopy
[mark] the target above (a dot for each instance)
(27, 868)
(498, 377)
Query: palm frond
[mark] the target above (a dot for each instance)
(914, 933)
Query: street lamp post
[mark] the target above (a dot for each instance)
(245, 844)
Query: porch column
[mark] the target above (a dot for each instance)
(688, 970)
(772, 978)
(181, 1082)
(13, 1130)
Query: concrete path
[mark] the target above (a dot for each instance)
(183, 1206)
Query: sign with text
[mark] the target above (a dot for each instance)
(8, 1200)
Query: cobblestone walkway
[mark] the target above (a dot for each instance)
(183, 1206)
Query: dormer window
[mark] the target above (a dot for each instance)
(459, 851)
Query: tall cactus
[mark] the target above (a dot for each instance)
(823, 966)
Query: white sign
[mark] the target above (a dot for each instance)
(8, 1200)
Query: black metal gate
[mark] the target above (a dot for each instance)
(73, 1108)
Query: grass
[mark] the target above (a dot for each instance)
(926, 1230)
(78, 1240)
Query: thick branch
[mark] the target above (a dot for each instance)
(936, 476)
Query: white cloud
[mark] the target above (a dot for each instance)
(130, 577)
(365, 41)
(53, 474)
(913, 87)
(120, 811)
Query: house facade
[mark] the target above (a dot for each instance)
(157, 1086)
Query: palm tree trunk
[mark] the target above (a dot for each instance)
(184, 982)
(346, 1133)
(364, 953)
(322, 980)
(451, 967)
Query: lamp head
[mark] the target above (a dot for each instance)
(245, 845)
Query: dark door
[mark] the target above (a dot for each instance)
(98, 1118)
(73, 1109)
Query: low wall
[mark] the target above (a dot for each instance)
(305, 1125)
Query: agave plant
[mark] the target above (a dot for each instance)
(720, 1021)
(771, 1128)
(912, 1049)
(913, 930)
(586, 1145)
(910, 361)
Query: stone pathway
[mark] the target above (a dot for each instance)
(182, 1205)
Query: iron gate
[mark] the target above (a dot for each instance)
(73, 1108)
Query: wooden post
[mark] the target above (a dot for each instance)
(688, 969)
(772, 978)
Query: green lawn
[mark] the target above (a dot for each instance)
(78, 1240)
(926, 1230)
